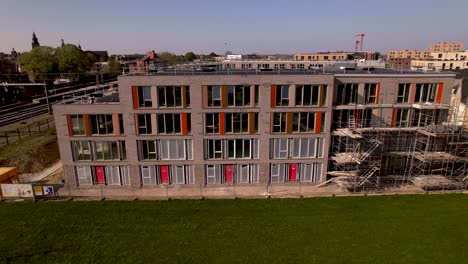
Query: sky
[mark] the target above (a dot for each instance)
(240, 26)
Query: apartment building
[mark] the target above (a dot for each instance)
(442, 61)
(323, 56)
(447, 47)
(240, 135)
(401, 59)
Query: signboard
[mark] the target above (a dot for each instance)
(48, 190)
(17, 191)
(38, 190)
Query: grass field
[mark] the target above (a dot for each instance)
(385, 229)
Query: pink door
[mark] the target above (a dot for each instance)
(292, 172)
(100, 179)
(228, 173)
(164, 173)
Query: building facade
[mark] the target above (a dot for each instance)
(447, 47)
(235, 135)
(442, 61)
(323, 56)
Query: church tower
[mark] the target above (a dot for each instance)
(35, 41)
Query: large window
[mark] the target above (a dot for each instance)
(144, 96)
(284, 148)
(170, 96)
(228, 173)
(370, 93)
(84, 175)
(167, 174)
(425, 93)
(307, 95)
(231, 149)
(238, 95)
(279, 123)
(174, 149)
(212, 123)
(144, 124)
(169, 124)
(237, 122)
(77, 124)
(246, 173)
(303, 122)
(81, 150)
(282, 95)
(402, 117)
(302, 172)
(403, 92)
(110, 150)
(214, 95)
(347, 93)
(101, 124)
(424, 117)
(117, 175)
(214, 174)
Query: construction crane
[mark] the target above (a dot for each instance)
(361, 41)
(356, 46)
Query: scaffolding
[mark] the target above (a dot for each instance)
(430, 153)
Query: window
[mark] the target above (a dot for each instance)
(149, 175)
(214, 95)
(242, 148)
(81, 150)
(179, 149)
(117, 175)
(238, 95)
(169, 124)
(370, 93)
(425, 93)
(310, 172)
(144, 124)
(84, 175)
(212, 123)
(101, 124)
(77, 124)
(306, 172)
(237, 122)
(282, 95)
(402, 118)
(280, 148)
(307, 147)
(246, 173)
(280, 66)
(303, 122)
(170, 96)
(424, 117)
(110, 150)
(346, 93)
(307, 95)
(279, 122)
(181, 174)
(278, 173)
(403, 92)
(144, 96)
(147, 149)
(214, 149)
(214, 174)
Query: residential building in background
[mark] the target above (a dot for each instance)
(249, 134)
(447, 47)
(442, 61)
(323, 56)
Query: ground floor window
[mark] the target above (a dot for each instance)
(229, 173)
(295, 172)
(167, 174)
(107, 175)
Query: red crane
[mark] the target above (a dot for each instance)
(361, 42)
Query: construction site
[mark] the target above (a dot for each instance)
(373, 155)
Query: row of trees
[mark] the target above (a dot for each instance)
(42, 62)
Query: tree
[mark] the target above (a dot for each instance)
(170, 58)
(190, 56)
(73, 60)
(114, 66)
(228, 52)
(39, 63)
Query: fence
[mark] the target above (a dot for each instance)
(10, 136)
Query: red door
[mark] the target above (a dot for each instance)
(292, 172)
(100, 179)
(228, 173)
(164, 173)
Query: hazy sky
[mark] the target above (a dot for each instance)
(242, 26)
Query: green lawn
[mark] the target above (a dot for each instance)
(385, 229)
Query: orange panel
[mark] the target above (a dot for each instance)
(184, 123)
(70, 130)
(394, 117)
(412, 93)
(318, 122)
(223, 96)
(221, 123)
(205, 96)
(252, 95)
(273, 95)
(377, 96)
(115, 123)
(86, 125)
(439, 93)
(251, 123)
(135, 97)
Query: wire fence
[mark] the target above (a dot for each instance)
(13, 135)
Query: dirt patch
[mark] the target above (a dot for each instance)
(32, 154)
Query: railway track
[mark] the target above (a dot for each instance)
(22, 114)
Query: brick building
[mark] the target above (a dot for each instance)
(222, 134)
